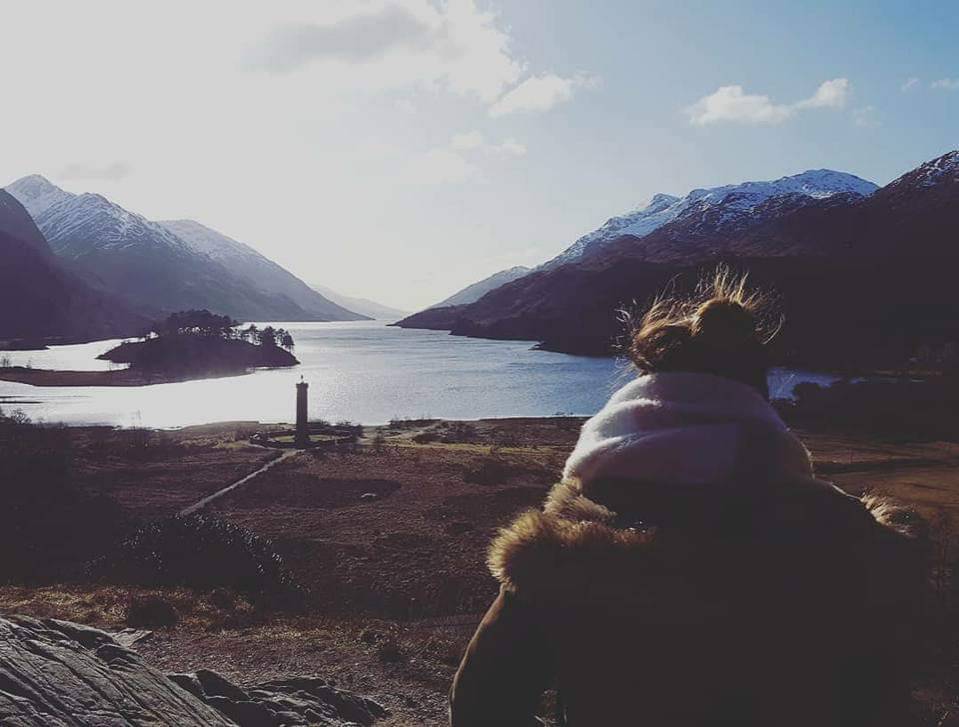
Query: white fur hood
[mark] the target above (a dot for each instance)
(688, 430)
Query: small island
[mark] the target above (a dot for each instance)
(194, 344)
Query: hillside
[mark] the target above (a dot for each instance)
(472, 293)
(724, 208)
(862, 278)
(127, 255)
(40, 298)
(260, 272)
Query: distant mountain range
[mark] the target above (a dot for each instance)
(41, 298)
(120, 270)
(863, 273)
(156, 269)
(363, 306)
(717, 210)
(260, 273)
(474, 292)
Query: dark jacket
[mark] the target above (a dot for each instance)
(645, 609)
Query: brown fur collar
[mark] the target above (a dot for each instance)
(564, 544)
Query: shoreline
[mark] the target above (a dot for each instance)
(118, 377)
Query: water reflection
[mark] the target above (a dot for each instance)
(361, 371)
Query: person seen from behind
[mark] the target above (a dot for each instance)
(690, 569)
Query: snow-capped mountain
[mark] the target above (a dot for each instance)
(472, 293)
(937, 171)
(718, 207)
(661, 209)
(262, 273)
(150, 265)
(79, 224)
(40, 297)
(943, 170)
(36, 194)
(861, 274)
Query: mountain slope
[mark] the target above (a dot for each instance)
(39, 298)
(717, 209)
(861, 278)
(144, 262)
(363, 306)
(472, 293)
(262, 273)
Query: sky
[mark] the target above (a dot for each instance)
(402, 149)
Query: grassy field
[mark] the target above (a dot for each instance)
(389, 536)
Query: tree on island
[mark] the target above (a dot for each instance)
(203, 323)
(270, 337)
(196, 323)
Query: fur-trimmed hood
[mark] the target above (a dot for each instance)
(671, 457)
(688, 430)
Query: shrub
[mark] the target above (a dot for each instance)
(490, 471)
(202, 552)
(390, 652)
(48, 527)
(426, 437)
(223, 599)
(892, 408)
(459, 432)
(151, 612)
(400, 423)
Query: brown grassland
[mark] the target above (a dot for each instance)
(389, 536)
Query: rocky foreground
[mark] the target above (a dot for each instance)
(57, 673)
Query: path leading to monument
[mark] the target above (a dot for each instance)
(196, 506)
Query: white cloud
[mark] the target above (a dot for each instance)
(540, 93)
(452, 45)
(909, 84)
(946, 84)
(830, 94)
(84, 170)
(352, 39)
(731, 104)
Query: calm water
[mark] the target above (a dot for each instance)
(365, 372)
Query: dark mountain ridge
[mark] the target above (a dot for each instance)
(149, 265)
(861, 279)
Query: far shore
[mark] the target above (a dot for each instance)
(118, 377)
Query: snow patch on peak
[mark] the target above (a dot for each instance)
(933, 172)
(659, 202)
(660, 209)
(725, 205)
(208, 241)
(37, 194)
(77, 225)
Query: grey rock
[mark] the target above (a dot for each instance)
(60, 674)
(129, 637)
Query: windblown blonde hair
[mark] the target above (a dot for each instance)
(723, 327)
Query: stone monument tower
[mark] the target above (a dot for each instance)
(302, 427)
